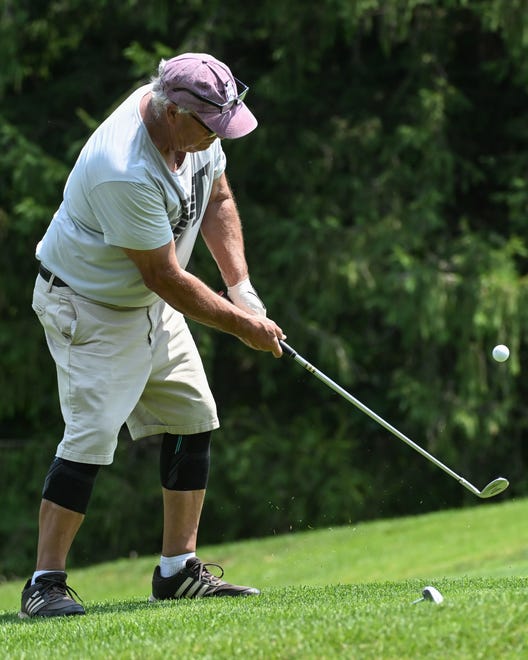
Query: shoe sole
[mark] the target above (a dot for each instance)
(23, 615)
(153, 599)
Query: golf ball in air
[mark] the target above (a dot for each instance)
(501, 353)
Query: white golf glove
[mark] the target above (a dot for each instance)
(243, 295)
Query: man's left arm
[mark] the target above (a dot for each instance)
(222, 232)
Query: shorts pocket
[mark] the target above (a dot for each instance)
(38, 304)
(57, 315)
(66, 318)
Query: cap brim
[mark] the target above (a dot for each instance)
(236, 123)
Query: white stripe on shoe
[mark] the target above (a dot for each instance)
(193, 591)
(183, 587)
(203, 591)
(34, 604)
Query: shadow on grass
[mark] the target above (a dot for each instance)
(95, 608)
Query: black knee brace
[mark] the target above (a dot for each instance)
(184, 461)
(70, 484)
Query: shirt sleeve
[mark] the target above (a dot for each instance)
(219, 163)
(131, 215)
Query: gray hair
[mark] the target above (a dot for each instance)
(159, 100)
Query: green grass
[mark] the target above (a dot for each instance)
(335, 593)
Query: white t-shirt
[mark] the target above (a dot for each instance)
(121, 194)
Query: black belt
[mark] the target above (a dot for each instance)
(47, 275)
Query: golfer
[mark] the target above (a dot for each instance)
(112, 295)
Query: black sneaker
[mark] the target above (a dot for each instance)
(195, 581)
(49, 596)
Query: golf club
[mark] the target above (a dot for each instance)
(493, 488)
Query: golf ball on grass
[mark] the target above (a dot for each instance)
(501, 353)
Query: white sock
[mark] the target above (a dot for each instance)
(169, 566)
(37, 574)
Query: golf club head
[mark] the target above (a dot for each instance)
(432, 594)
(494, 487)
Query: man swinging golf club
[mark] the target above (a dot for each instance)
(112, 294)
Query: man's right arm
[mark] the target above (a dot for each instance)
(162, 274)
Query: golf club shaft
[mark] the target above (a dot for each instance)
(290, 352)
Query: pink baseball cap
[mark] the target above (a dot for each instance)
(202, 84)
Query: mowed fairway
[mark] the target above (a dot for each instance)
(335, 593)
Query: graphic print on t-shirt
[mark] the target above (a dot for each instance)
(192, 207)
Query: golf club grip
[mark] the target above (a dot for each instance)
(286, 349)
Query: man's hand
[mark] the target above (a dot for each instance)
(262, 334)
(244, 296)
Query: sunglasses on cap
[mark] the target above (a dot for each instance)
(242, 90)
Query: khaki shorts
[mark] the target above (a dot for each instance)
(116, 365)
